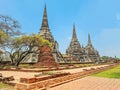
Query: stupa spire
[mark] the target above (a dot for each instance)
(45, 19)
(89, 40)
(74, 36)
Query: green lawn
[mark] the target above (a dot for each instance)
(111, 73)
(4, 86)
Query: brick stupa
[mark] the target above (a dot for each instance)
(45, 58)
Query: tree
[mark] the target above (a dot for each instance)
(3, 37)
(9, 25)
(24, 45)
(105, 58)
(9, 28)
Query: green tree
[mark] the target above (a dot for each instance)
(9, 28)
(24, 45)
(3, 37)
(105, 58)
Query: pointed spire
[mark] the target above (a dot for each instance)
(74, 36)
(45, 19)
(89, 40)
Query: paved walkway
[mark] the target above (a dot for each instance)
(90, 83)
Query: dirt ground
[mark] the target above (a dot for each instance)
(17, 74)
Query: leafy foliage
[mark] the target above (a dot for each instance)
(24, 45)
(105, 58)
(3, 37)
(18, 47)
(8, 29)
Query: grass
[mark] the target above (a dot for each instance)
(3, 86)
(111, 73)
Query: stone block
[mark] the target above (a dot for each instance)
(31, 80)
(40, 85)
(23, 80)
(27, 80)
(20, 86)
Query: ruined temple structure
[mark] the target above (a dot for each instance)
(46, 34)
(75, 52)
(78, 54)
(90, 52)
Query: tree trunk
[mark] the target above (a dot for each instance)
(17, 64)
(20, 59)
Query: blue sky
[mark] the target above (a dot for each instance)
(100, 18)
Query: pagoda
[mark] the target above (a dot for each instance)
(46, 34)
(79, 54)
(91, 53)
(74, 50)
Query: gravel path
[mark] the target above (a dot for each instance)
(90, 83)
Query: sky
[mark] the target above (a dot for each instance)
(100, 18)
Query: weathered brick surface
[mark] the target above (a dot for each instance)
(46, 58)
(33, 80)
(90, 83)
(23, 80)
(27, 80)
(21, 86)
(57, 80)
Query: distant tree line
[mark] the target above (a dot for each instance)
(110, 59)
